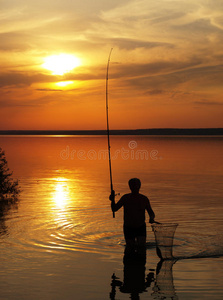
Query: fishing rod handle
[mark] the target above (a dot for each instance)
(113, 198)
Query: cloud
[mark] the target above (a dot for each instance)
(130, 44)
(11, 103)
(49, 90)
(14, 41)
(155, 68)
(26, 79)
(166, 75)
(208, 103)
(32, 99)
(154, 92)
(202, 26)
(23, 79)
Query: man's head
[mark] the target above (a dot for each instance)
(134, 185)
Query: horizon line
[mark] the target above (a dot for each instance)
(143, 131)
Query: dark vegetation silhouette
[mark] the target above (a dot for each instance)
(9, 192)
(9, 188)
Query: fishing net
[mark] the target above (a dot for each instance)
(164, 235)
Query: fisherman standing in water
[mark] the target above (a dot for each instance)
(135, 205)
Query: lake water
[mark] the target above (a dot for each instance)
(61, 241)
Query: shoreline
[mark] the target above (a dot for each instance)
(154, 131)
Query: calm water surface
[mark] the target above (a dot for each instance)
(61, 242)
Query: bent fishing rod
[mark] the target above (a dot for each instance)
(108, 132)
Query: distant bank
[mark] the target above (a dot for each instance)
(153, 131)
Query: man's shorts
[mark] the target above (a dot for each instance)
(132, 233)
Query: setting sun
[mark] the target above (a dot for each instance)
(61, 64)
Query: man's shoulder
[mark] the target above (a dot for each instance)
(126, 196)
(138, 196)
(144, 197)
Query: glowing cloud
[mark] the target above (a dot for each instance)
(64, 83)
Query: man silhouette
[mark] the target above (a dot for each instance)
(135, 205)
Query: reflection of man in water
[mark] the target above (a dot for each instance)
(135, 205)
(134, 281)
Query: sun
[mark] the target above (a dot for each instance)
(61, 63)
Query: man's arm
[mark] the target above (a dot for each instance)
(118, 205)
(150, 212)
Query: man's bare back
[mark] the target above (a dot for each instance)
(135, 205)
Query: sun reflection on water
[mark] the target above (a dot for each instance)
(61, 203)
(61, 195)
(65, 192)
(65, 200)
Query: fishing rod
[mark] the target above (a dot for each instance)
(108, 133)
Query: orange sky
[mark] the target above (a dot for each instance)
(166, 68)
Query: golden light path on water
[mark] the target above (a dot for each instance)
(68, 220)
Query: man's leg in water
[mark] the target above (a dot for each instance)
(130, 245)
(141, 237)
(141, 241)
(129, 239)
(141, 245)
(135, 234)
